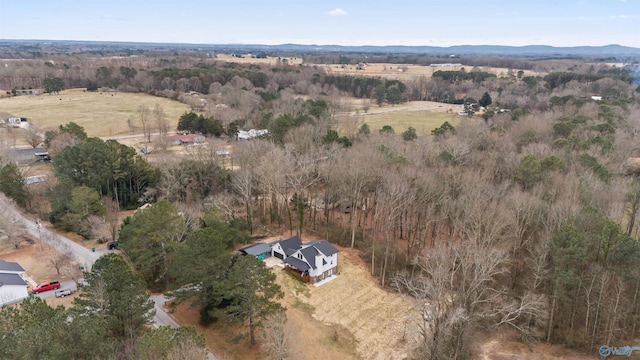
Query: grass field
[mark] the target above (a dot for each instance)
(251, 60)
(101, 114)
(407, 72)
(422, 121)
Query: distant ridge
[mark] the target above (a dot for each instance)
(532, 50)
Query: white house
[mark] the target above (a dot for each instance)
(13, 288)
(314, 261)
(284, 248)
(251, 134)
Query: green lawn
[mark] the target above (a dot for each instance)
(422, 121)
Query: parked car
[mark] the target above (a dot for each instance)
(45, 286)
(112, 245)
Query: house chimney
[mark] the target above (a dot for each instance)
(319, 262)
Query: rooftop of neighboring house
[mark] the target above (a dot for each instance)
(10, 266)
(11, 279)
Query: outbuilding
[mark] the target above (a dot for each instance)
(259, 250)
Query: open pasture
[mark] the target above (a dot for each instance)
(406, 72)
(423, 116)
(100, 113)
(269, 60)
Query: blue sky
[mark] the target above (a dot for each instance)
(347, 22)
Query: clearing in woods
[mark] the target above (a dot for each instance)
(423, 116)
(347, 318)
(100, 113)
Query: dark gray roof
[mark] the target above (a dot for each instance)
(291, 245)
(297, 263)
(10, 266)
(11, 279)
(256, 249)
(310, 253)
(324, 247)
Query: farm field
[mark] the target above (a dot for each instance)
(249, 60)
(400, 119)
(100, 113)
(407, 72)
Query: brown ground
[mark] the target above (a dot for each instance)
(503, 346)
(36, 261)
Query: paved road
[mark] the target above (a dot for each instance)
(81, 254)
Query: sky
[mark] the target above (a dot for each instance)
(328, 22)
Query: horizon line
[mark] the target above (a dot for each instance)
(310, 44)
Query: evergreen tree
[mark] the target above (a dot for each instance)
(116, 294)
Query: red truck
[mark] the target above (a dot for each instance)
(45, 286)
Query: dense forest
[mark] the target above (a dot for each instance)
(524, 215)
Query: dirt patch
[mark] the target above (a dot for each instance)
(224, 341)
(37, 261)
(378, 319)
(503, 345)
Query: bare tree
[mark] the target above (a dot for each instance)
(72, 270)
(187, 349)
(456, 287)
(33, 135)
(274, 338)
(12, 228)
(145, 120)
(243, 181)
(358, 170)
(95, 227)
(111, 218)
(397, 193)
(162, 125)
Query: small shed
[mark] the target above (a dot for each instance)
(259, 250)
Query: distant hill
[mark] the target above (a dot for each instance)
(530, 50)
(536, 50)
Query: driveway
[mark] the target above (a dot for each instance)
(80, 253)
(69, 284)
(272, 261)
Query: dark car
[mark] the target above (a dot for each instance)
(112, 245)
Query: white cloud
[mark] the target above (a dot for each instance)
(337, 12)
